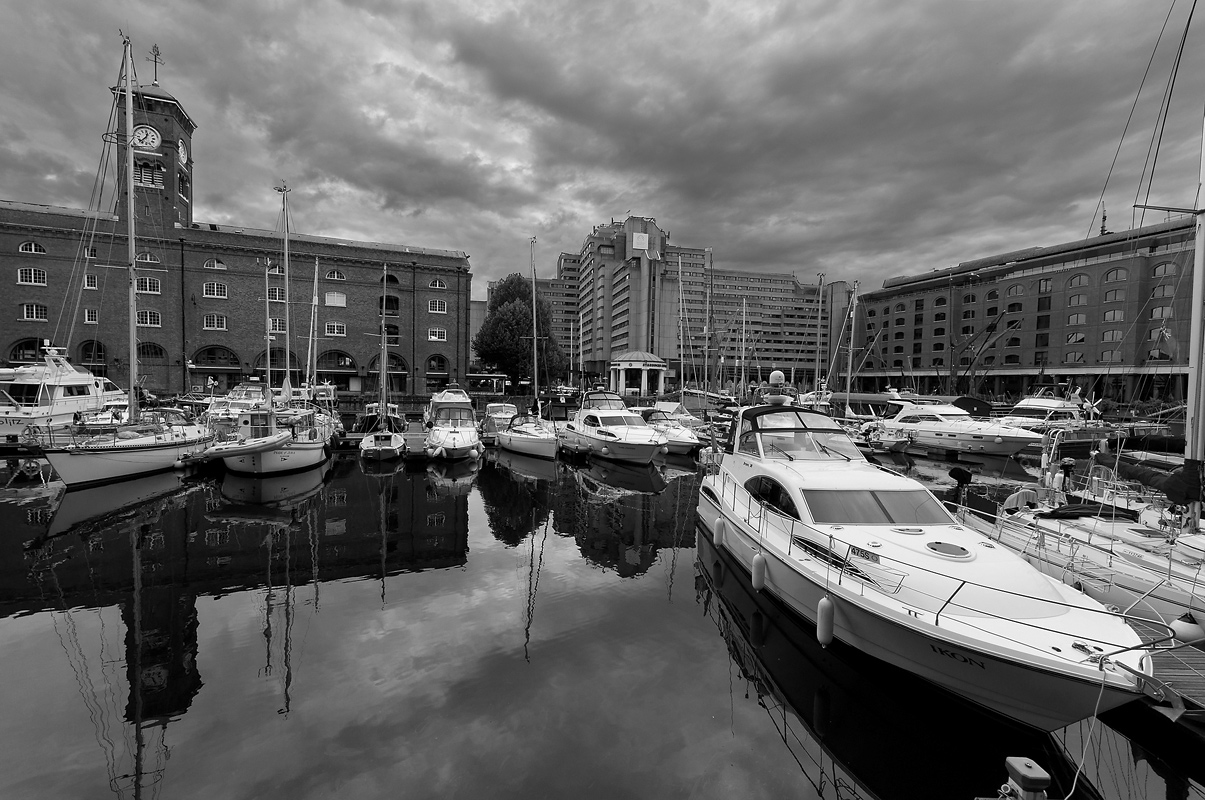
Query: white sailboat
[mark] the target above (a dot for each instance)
(382, 427)
(274, 439)
(527, 433)
(149, 441)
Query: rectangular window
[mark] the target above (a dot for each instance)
(91, 316)
(336, 299)
(1043, 322)
(1077, 319)
(149, 319)
(276, 294)
(1041, 340)
(34, 311)
(90, 281)
(1043, 304)
(1077, 300)
(336, 329)
(438, 306)
(147, 286)
(1039, 358)
(1115, 315)
(1076, 338)
(437, 334)
(215, 322)
(278, 325)
(1044, 285)
(213, 289)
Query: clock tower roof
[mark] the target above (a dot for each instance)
(152, 97)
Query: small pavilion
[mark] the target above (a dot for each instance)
(638, 369)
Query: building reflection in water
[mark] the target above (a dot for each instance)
(151, 547)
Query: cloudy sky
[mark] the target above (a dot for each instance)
(860, 138)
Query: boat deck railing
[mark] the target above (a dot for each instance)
(932, 590)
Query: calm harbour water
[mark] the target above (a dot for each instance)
(527, 629)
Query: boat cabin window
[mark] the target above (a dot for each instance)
(591, 420)
(623, 419)
(458, 417)
(869, 507)
(773, 494)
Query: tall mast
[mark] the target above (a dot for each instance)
(268, 331)
(849, 368)
(286, 385)
(311, 365)
(1194, 431)
(744, 349)
(681, 338)
(707, 327)
(383, 372)
(819, 315)
(535, 364)
(128, 68)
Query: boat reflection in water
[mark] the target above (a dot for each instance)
(850, 721)
(452, 478)
(283, 494)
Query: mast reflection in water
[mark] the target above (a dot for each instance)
(522, 628)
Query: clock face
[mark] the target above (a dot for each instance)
(182, 150)
(147, 137)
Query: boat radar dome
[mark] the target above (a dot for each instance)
(775, 395)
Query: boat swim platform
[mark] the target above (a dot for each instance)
(1182, 670)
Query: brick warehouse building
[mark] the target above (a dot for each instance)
(206, 292)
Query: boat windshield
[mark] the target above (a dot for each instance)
(455, 417)
(604, 402)
(870, 507)
(789, 434)
(633, 420)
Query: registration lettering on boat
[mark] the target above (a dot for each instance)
(866, 555)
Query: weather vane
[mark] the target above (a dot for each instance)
(156, 60)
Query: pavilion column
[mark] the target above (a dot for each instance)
(644, 381)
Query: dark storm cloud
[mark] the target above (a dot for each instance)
(863, 139)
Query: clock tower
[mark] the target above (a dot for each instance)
(162, 137)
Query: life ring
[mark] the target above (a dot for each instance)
(32, 433)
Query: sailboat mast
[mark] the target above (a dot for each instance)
(819, 315)
(849, 369)
(131, 245)
(383, 371)
(535, 366)
(681, 338)
(744, 350)
(268, 332)
(311, 366)
(286, 385)
(1194, 431)
(707, 328)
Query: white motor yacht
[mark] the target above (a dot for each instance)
(874, 560)
(681, 440)
(945, 428)
(528, 435)
(451, 426)
(604, 426)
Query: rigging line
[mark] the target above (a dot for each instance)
(1130, 118)
(1088, 739)
(1165, 109)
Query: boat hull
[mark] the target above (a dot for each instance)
(1027, 692)
(527, 444)
(290, 457)
(641, 452)
(92, 464)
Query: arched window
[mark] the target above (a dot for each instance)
(390, 280)
(1110, 356)
(1163, 290)
(216, 356)
(147, 258)
(968, 314)
(337, 299)
(899, 362)
(1077, 319)
(31, 276)
(870, 313)
(989, 360)
(1016, 290)
(336, 360)
(1012, 358)
(1076, 338)
(939, 346)
(1016, 308)
(1115, 295)
(1077, 280)
(214, 289)
(336, 275)
(939, 362)
(276, 269)
(1077, 300)
(967, 330)
(899, 348)
(969, 298)
(1114, 335)
(941, 301)
(151, 352)
(1161, 312)
(992, 295)
(898, 335)
(1118, 274)
(1013, 341)
(437, 364)
(34, 312)
(939, 331)
(215, 322)
(149, 319)
(441, 307)
(388, 305)
(148, 286)
(900, 307)
(214, 263)
(1119, 315)
(91, 353)
(1166, 269)
(1073, 357)
(940, 316)
(31, 247)
(438, 283)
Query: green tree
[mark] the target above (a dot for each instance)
(504, 342)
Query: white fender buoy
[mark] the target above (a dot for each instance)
(757, 629)
(717, 532)
(824, 621)
(759, 571)
(1187, 629)
(178, 464)
(998, 440)
(606, 451)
